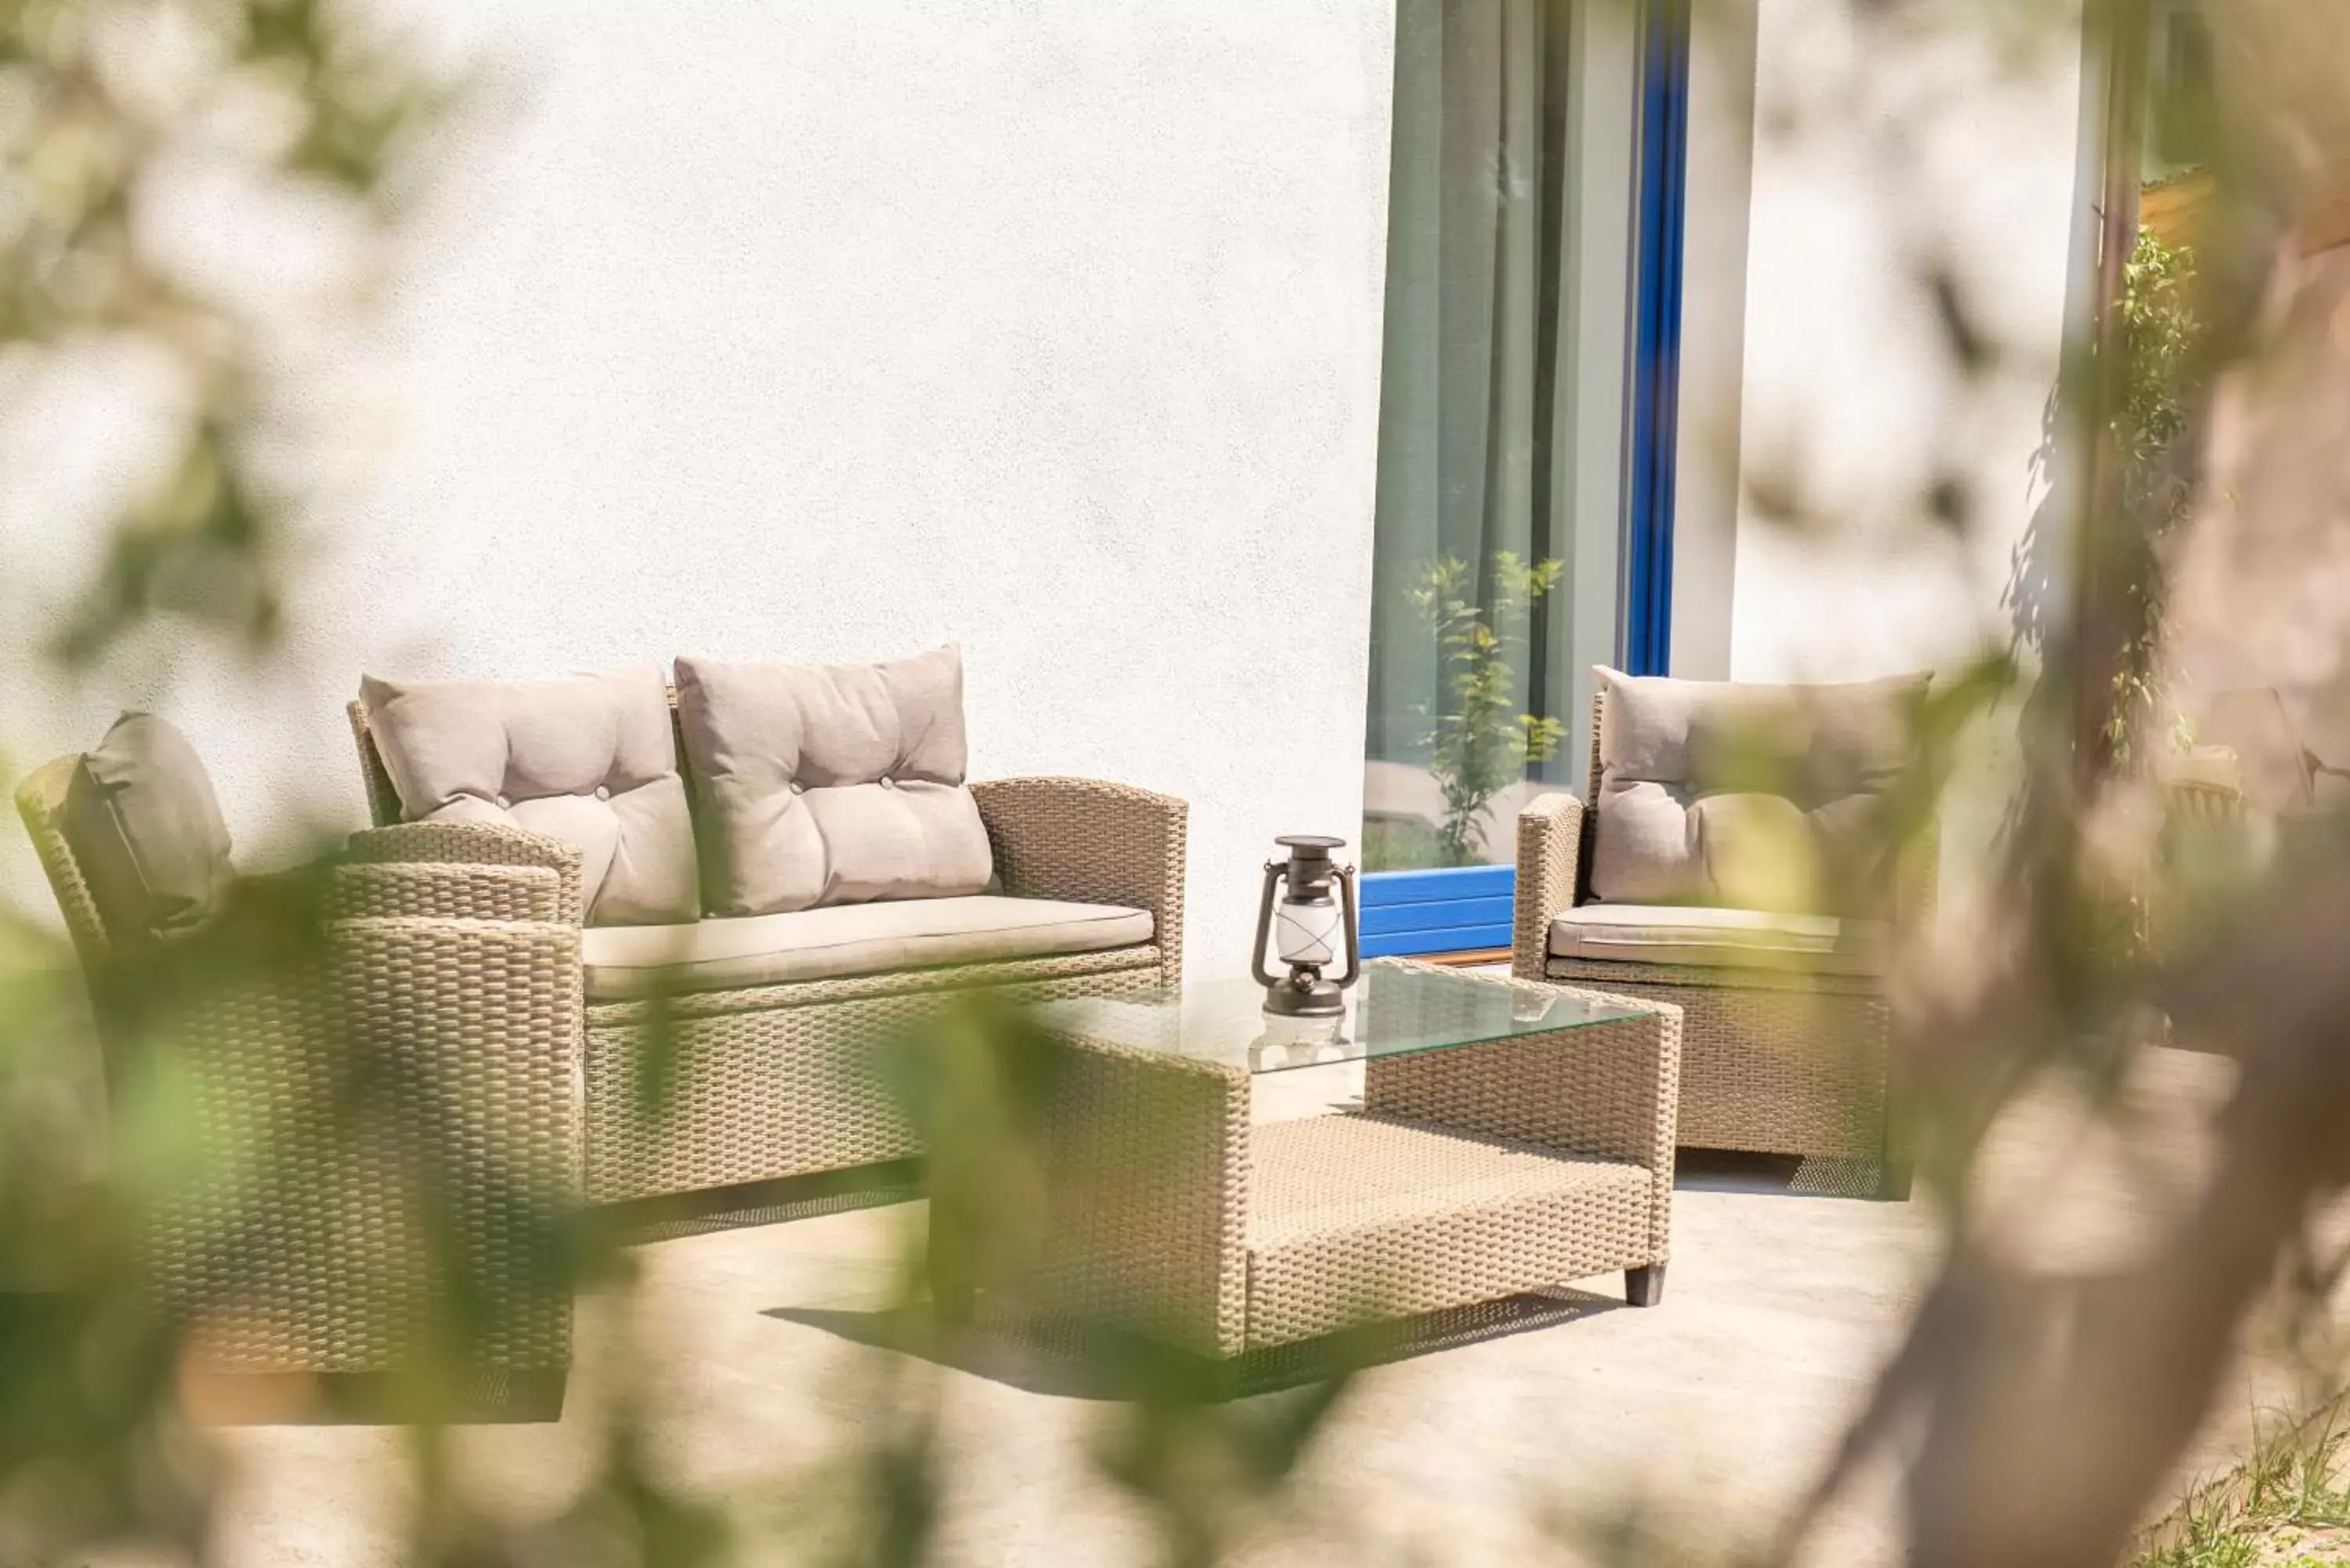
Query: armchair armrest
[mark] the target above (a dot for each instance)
(472, 843)
(371, 1111)
(1550, 854)
(444, 891)
(1092, 842)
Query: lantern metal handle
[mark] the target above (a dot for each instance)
(1354, 928)
(1273, 870)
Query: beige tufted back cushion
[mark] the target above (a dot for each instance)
(588, 759)
(831, 784)
(1749, 797)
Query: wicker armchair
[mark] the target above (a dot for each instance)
(752, 1084)
(376, 1062)
(1791, 1060)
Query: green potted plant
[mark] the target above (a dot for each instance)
(1481, 740)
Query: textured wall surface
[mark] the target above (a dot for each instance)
(808, 330)
(1892, 150)
(1918, 177)
(1713, 338)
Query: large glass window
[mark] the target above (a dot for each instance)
(1502, 436)
(2175, 147)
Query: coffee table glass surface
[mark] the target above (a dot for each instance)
(1394, 1009)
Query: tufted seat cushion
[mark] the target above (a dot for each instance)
(831, 784)
(1718, 938)
(1712, 793)
(589, 759)
(849, 939)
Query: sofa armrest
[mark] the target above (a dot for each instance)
(472, 843)
(1092, 842)
(1550, 852)
(444, 891)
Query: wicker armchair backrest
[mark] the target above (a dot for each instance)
(1585, 851)
(41, 802)
(2205, 805)
(1591, 778)
(384, 800)
(1917, 875)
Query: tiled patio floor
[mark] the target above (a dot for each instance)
(1718, 1408)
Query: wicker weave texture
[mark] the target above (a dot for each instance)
(1785, 1068)
(716, 1089)
(1093, 843)
(1550, 855)
(447, 892)
(40, 802)
(1146, 1205)
(472, 843)
(1124, 962)
(1607, 1091)
(408, 1107)
(382, 795)
(1362, 1218)
(1473, 1173)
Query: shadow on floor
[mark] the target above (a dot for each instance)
(759, 1203)
(901, 1181)
(43, 1330)
(370, 1399)
(1793, 1176)
(1061, 1363)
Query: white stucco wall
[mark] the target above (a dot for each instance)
(1718, 205)
(1890, 144)
(803, 330)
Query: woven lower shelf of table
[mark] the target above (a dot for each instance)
(1356, 1218)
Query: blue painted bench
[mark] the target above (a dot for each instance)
(1453, 910)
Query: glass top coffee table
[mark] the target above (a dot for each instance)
(1394, 1009)
(1513, 1136)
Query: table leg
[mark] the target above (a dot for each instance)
(1644, 1287)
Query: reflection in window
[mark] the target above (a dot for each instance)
(2176, 154)
(1475, 563)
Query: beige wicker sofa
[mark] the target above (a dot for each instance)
(1761, 906)
(848, 879)
(371, 1065)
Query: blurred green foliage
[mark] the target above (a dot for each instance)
(2293, 1483)
(101, 1441)
(2162, 339)
(105, 103)
(1400, 844)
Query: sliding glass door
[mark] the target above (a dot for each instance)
(1496, 564)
